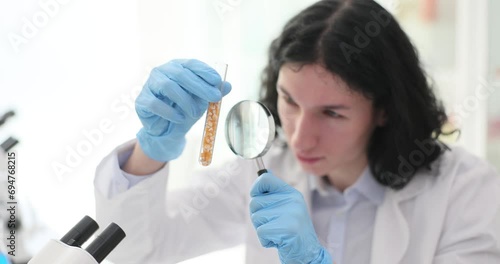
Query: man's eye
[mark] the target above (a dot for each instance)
(289, 100)
(333, 114)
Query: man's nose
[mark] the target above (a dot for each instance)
(306, 133)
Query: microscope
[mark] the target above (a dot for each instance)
(68, 248)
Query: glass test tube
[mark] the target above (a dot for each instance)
(211, 121)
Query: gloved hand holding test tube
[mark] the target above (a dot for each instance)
(211, 121)
(173, 99)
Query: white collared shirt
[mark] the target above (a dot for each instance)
(344, 222)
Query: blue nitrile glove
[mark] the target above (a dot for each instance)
(280, 216)
(174, 97)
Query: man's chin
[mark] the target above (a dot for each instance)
(313, 170)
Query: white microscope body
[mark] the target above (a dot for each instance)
(56, 252)
(68, 249)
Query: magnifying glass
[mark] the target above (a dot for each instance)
(250, 131)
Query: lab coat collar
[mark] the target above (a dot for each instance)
(391, 235)
(391, 231)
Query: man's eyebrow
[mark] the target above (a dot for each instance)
(337, 107)
(281, 88)
(330, 107)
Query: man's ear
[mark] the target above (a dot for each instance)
(380, 117)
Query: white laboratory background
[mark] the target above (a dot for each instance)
(71, 69)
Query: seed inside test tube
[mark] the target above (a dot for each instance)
(212, 119)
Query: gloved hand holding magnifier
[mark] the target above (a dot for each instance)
(277, 210)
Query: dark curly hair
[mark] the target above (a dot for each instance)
(362, 43)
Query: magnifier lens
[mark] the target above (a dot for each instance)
(250, 130)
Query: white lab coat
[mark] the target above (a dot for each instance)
(450, 216)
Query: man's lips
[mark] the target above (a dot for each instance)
(308, 159)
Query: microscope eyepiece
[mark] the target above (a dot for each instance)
(104, 243)
(6, 116)
(81, 232)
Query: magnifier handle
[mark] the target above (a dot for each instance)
(260, 165)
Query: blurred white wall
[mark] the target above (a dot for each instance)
(63, 64)
(493, 147)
